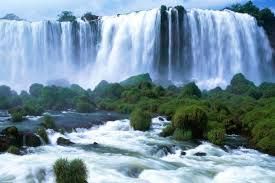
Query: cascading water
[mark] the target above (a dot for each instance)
(170, 44)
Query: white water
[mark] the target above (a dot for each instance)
(210, 47)
(124, 155)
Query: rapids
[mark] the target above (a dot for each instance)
(124, 155)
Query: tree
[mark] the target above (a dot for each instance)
(89, 17)
(66, 16)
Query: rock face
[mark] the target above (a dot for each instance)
(12, 137)
(64, 142)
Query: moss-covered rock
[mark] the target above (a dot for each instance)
(140, 120)
(14, 150)
(191, 118)
(43, 134)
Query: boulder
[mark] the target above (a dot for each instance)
(64, 142)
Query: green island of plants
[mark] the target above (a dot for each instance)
(242, 108)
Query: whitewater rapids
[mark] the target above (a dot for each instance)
(124, 155)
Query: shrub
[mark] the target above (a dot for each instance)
(43, 134)
(13, 150)
(191, 118)
(36, 90)
(17, 116)
(239, 85)
(267, 144)
(167, 131)
(190, 90)
(216, 136)
(84, 107)
(181, 135)
(66, 16)
(48, 122)
(89, 17)
(78, 171)
(136, 80)
(70, 172)
(140, 120)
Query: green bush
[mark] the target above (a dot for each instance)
(48, 122)
(216, 136)
(66, 16)
(136, 80)
(181, 135)
(43, 134)
(17, 116)
(240, 85)
(190, 90)
(70, 172)
(267, 144)
(140, 120)
(84, 107)
(14, 150)
(167, 131)
(191, 118)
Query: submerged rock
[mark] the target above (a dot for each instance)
(64, 142)
(200, 154)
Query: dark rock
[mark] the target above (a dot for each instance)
(64, 142)
(95, 143)
(200, 154)
(161, 119)
(183, 153)
(31, 140)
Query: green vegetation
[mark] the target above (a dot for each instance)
(140, 120)
(48, 122)
(89, 17)
(73, 172)
(242, 108)
(66, 16)
(265, 17)
(13, 150)
(43, 134)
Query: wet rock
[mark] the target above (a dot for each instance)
(200, 154)
(183, 153)
(64, 142)
(161, 119)
(31, 140)
(95, 143)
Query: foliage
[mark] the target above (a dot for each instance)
(167, 131)
(264, 17)
(66, 16)
(14, 150)
(140, 120)
(192, 118)
(136, 80)
(73, 172)
(216, 136)
(190, 90)
(48, 122)
(89, 17)
(43, 134)
(181, 135)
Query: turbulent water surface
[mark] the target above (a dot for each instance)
(202, 45)
(124, 155)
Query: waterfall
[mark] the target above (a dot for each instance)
(175, 44)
